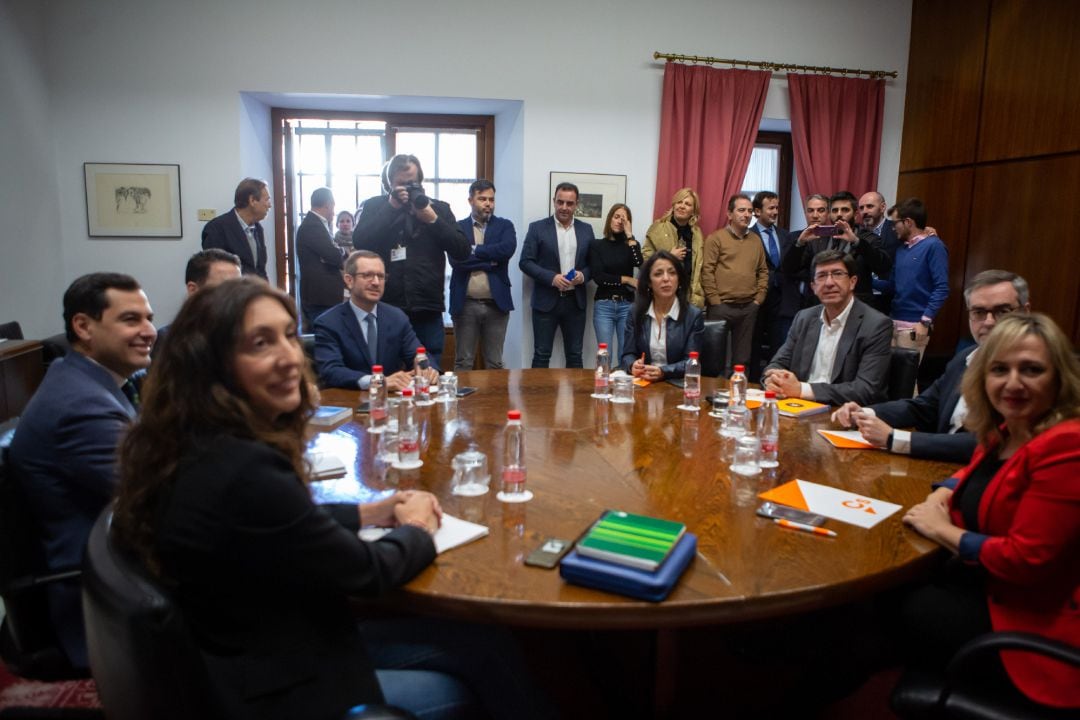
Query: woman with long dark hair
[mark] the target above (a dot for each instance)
(213, 498)
(612, 259)
(663, 327)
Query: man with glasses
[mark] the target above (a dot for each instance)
(838, 352)
(362, 332)
(938, 414)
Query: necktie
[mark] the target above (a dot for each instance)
(252, 245)
(372, 338)
(774, 249)
(128, 388)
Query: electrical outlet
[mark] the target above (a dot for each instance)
(205, 214)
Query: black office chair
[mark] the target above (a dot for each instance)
(11, 331)
(903, 372)
(143, 658)
(307, 340)
(716, 349)
(28, 643)
(959, 694)
(53, 347)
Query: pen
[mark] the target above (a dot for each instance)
(782, 522)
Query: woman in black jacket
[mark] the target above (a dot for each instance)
(612, 260)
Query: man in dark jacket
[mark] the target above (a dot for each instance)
(319, 259)
(413, 234)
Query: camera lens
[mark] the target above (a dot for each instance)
(420, 202)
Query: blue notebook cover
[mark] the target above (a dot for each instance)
(636, 583)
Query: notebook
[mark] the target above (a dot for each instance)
(328, 415)
(632, 540)
(793, 407)
(633, 582)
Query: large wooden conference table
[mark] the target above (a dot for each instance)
(586, 455)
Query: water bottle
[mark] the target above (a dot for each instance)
(513, 471)
(408, 433)
(377, 400)
(603, 372)
(420, 382)
(738, 418)
(768, 431)
(692, 383)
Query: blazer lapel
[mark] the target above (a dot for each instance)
(241, 242)
(353, 327)
(805, 361)
(847, 340)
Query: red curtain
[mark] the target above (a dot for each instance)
(708, 123)
(836, 132)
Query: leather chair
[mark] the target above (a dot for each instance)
(958, 693)
(11, 331)
(716, 349)
(28, 644)
(55, 346)
(307, 340)
(142, 656)
(903, 372)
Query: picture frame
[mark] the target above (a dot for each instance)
(133, 200)
(597, 192)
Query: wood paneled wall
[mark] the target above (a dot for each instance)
(991, 142)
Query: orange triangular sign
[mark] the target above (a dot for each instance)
(789, 494)
(871, 510)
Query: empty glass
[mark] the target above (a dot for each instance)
(447, 388)
(747, 453)
(622, 389)
(471, 475)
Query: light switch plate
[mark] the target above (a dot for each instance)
(205, 214)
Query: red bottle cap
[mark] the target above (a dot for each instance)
(770, 394)
(421, 350)
(513, 415)
(407, 392)
(376, 368)
(693, 354)
(740, 368)
(603, 346)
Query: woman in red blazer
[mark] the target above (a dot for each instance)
(1012, 516)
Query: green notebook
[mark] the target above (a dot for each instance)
(632, 540)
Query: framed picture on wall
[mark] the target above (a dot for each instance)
(132, 200)
(596, 194)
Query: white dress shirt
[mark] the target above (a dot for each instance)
(658, 334)
(821, 369)
(567, 246)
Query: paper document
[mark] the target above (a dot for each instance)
(325, 466)
(832, 503)
(452, 533)
(846, 439)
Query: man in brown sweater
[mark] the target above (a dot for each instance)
(735, 276)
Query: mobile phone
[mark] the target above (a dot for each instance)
(363, 407)
(772, 510)
(826, 231)
(549, 553)
(463, 391)
(570, 274)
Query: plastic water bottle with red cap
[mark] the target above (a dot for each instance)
(421, 384)
(737, 422)
(692, 384)
(513, 470)
(601, 389)
(768, 431)
(377, 400)
(408, 434)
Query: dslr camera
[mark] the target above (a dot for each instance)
(416, 195)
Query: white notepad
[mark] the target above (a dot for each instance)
(452, 533)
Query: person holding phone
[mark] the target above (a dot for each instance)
(213, 498)
(677, 231)
(663, 327)
(612, 259)
(1011, 517)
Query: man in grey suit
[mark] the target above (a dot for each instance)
(838, 352)
(556, 256)
(321, 283)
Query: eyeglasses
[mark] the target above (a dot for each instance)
(979, 314)
(834, 274)
(369, 276)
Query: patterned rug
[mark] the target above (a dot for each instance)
(15, 692)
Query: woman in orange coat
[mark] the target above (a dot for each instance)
(1012, 516)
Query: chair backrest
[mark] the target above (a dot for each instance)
(28, 643)
(11, 331)
(903, 372)
(55, 346)
(716, 349)
(307, 340)
(142, 657)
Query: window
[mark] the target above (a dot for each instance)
(770, 169)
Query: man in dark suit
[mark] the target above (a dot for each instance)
(838, 352)
(556, 256)
(319, 259)
(239, 231)
(480, 301)
(783, 299)
(356, 335)
(64, 450)
(413, 234)
(206, 268)
(938, 414)
(872, 210)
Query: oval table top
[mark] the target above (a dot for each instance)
(586, 455)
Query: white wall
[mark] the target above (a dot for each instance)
(157, 81)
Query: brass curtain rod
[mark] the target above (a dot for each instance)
(774, 67)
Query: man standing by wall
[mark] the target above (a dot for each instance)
(319, 259)
(480, 300)
(920, 278)
(735, 277)
(239, 231)
(872, 211)
(413, 234)
(783, 299)
(556, 255)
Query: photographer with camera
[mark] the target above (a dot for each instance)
(413, 234)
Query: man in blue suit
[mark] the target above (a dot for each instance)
(239, 230)
(64, 451)
(480, 301)
(556, 255)
(784, 298)
(938, 414)
(353, 337)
